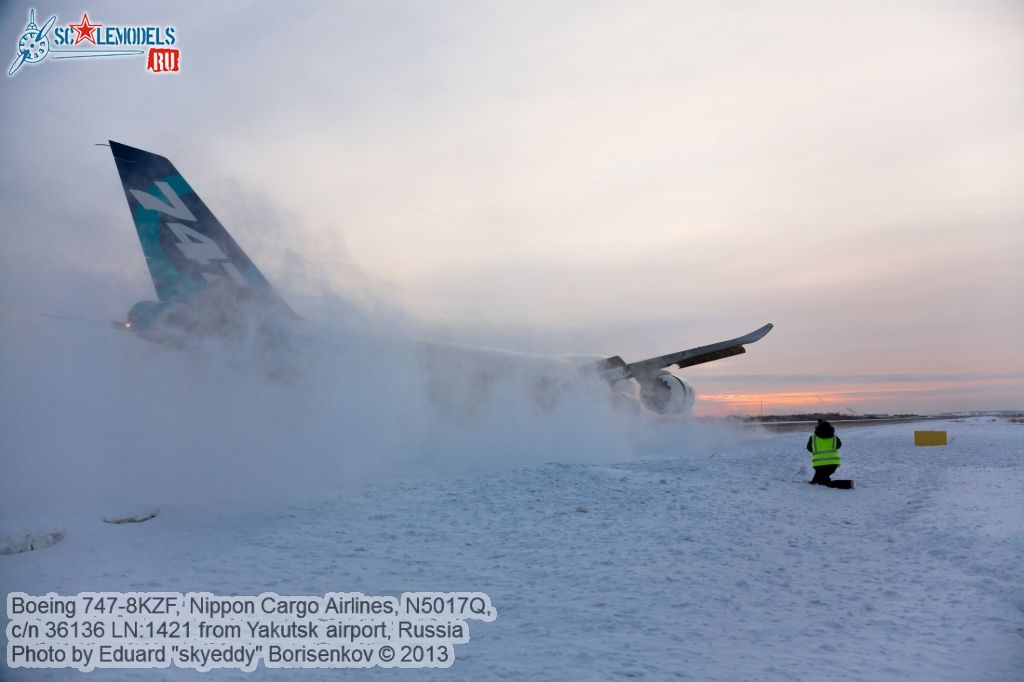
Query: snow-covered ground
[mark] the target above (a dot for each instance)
(720, 564)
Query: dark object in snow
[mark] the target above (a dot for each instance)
(133, 517)
(29, 541)
(841, 483)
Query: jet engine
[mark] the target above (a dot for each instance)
(665, 393)
(143, 314)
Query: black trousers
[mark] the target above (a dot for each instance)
(823, 474)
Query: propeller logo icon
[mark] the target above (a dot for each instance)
(34, 44)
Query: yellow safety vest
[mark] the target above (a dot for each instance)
(824, 452)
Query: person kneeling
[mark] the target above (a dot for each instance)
(824, 448)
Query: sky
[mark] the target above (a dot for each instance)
(569, 177)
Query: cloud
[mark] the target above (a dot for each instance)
(582, 177)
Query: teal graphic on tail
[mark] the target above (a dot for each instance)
(187, 250)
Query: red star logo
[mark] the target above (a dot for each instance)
(85, 30)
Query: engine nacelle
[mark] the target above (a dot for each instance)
(143, 315)
(665, 393)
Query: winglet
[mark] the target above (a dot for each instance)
(755, 335)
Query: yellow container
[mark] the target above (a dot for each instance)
(929, 437)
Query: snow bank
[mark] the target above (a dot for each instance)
(27, 540)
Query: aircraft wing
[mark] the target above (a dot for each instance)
(616, 369)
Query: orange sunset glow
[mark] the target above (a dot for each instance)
(922, 395)
(773, 403)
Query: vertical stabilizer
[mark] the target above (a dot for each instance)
(186, 247)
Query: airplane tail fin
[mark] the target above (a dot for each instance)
(186, 247)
